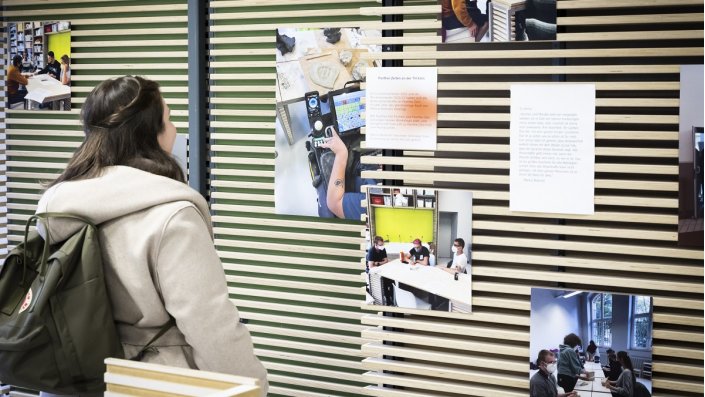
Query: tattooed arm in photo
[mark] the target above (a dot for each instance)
(336, 184)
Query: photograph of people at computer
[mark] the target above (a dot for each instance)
(586, 343)
(320, 113)
(419, 256)
(38, 75)
(691, 195)
(475, 21)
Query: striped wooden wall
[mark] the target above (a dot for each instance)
(632, 50)
(297, 280)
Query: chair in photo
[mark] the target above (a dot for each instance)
(375, 285)
(637, 363)
(132, 378)
(459, 307)
(409, 300)
(645, 372)
(16, 103)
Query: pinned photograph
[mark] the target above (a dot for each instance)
(469, 21)
(39, 72)
(419, 255)
(590, 344)
(320, 113)
(690, 157)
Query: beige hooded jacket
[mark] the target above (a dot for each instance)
(159, 260)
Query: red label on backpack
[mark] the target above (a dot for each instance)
(27, 301)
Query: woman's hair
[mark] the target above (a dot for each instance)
(122, 119)
(572, 340)
(17, 60)
(592, 347)
(626, 360)
(65, 58)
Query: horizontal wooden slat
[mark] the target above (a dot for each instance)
(440, 386)
(91, 10)
(499, 348)
(629, 19)
(445, 328)
(590, 4)
(539, 54)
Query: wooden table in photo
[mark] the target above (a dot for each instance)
(429, 278)
(594, 387)
(49, 88)
(589, 390)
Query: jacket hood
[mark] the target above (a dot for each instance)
(119, 191)
(564, 347)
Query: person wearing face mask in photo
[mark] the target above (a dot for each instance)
(419, 254)
(377, 255)
(460, 260)
(543, 383)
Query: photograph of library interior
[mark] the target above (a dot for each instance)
(38, 76)
(590, 343)
(419, 256)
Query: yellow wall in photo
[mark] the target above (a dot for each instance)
(403, 225)
(60, 43)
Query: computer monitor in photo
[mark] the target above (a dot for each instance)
(349, 110)
(602, 341)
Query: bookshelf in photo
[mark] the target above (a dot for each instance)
(27, 37)
(32, 38)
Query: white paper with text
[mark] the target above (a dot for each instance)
(552, 148)
(400, 108)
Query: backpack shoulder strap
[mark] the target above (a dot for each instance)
(47, 215)
(148, 346)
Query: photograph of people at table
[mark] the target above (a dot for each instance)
(601, 344)
(471, 21)
(320, 113)
(39, 72)
(420, 254)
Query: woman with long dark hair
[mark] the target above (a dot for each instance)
(155, 233)
(624, 385)
(591, 351)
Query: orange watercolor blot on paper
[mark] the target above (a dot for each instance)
(420, 108)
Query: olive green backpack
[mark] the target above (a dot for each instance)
(56, 319)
